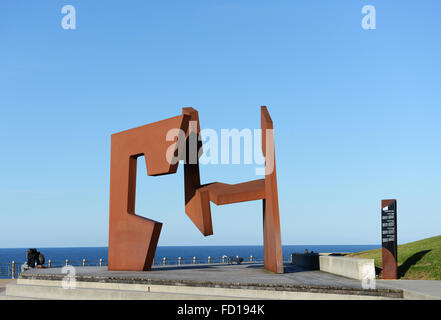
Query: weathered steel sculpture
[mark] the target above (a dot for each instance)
(198, 198)
(133, 239)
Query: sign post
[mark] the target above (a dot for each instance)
(389, 238)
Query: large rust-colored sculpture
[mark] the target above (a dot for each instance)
(133, 239)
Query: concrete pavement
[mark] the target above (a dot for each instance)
(3, 296)
(416, 289)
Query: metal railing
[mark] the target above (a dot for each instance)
(13, 269)
(5, 271)
(76, 263)
(171, 261)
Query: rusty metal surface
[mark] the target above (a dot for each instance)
(133, 239)
(273, 258)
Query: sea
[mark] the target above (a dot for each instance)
(92, 255)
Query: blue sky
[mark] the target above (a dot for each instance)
(357, 114)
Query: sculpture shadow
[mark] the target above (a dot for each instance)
(411, 261)
(183, 267)
(288, 268)
(378, 271)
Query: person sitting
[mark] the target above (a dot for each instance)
(33, 257)
(30, 260)
(40, 260)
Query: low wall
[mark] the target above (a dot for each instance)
(53, 289)
(354, 268)
(306, 260)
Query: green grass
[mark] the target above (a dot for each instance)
(419, 260)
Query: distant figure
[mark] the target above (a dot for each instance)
(41, 260)
(30, 260)
(33, 257)
(236, 259)
(312, 252)
(306, 251)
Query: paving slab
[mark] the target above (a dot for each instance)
(417, 289)
(3, 296)
(3, 283)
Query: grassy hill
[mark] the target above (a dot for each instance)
(419, 260)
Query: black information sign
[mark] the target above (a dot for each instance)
(389, 229)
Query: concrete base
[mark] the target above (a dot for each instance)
(54, 290)
(214, 281)
(353, 268)
(51, 289)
